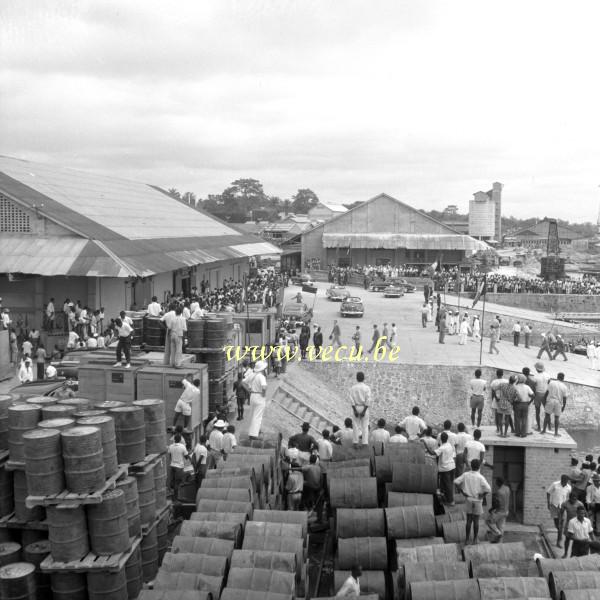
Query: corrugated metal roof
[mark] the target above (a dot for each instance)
(126, 208)
(120, 228)
(335, 207)
(410, 241)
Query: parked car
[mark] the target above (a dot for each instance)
(408, 288)
(352, 307)
(393, 291)
(297, 312)
(337, 293)
(378, 285)
(47, 387)
(302, 279)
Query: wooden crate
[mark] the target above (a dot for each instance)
(92, 381)
(121, 383)
(165, 382)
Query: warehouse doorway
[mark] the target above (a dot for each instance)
(509, 463)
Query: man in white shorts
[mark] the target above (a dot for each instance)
(474, 486)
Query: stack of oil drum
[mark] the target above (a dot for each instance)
(69, 545)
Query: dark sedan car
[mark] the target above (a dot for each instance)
(337, 293)
(352, 307)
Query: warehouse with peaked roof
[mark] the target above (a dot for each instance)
(106, 241)
(385, 230)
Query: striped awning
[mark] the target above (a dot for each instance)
(409, 241)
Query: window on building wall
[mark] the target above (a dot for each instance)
(255, 325)
(12, 218)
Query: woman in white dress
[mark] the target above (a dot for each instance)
(257, 382)
(476, 329)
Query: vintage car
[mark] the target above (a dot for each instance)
(352, 307)
(297, 313)
(379, 285)
(302, 279)
(393, 291)
(409, 288)
(337, 293)
(47, 387)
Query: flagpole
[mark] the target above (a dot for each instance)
(458, 283)
(247, 309)
(481, 329)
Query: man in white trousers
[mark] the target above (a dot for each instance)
(360, 399)
(257, 382)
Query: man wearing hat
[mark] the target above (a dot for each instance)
(560, 348)
(215, 439)
(25, 371)
(257, 382)
(541, 387)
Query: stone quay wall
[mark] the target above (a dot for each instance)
(441, 392)
(549, 303)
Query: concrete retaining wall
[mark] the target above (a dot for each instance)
(548, 303)
(439, 391)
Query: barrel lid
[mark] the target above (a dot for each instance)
(16, 570)
(112, 494)
(79, 431)
(84, 414)
(74, 402)
(43, 400)
(149, 402)
(125, 409)
(56, 423)
(8, 547)
(40, 434)
(108, 404)
(25, 407)
(95, 420)
(41, 547)
(58, 408)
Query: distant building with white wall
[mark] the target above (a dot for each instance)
(485, 214)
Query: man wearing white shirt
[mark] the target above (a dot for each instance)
(124, 343)
(557, 494)
(26, 371)
(351, 587)
(474, 486)
(477, 389)
(183, 408)
(451, 434)
(446, 467)
(516, 333)
(494, 386)
(399, 436)
(462, 437)
(380, 435)
(581, 533)
(413, 424)
(154, 308)
(474, 450)
(360, 401)
(200, 457)
(178, 453)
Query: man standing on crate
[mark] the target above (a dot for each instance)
(124, 344)
(176, 329)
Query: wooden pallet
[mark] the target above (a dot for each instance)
(142, 467)
(66, 499)
(160, 513)
(15, 465)
(11, 522)
(91, 562)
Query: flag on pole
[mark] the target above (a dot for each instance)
(481, 290)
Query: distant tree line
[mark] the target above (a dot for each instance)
(512, 224)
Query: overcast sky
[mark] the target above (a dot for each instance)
(429, 101)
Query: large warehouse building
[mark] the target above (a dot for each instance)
(105, 241)
(385, 230)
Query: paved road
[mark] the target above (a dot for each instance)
(420, 345)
